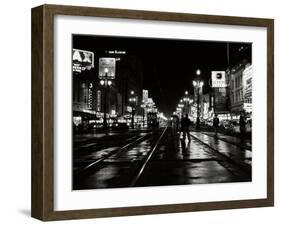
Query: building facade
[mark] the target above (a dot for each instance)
(91, 98)
(240, 89)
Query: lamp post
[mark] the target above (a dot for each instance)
(105, 82)
(133, 100)
(198, 83)
(143, 113)
(186, 102)
(180, 109)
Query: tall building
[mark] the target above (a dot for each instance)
(240, 89)
(82, 87)
(247, 87)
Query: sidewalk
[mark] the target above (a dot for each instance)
(231, 151)
(246, 144)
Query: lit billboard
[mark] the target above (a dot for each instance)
(82, 60)
(107, 67)
(218, 79)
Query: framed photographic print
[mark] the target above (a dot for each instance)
(141, 112)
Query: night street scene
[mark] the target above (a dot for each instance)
(159, 112)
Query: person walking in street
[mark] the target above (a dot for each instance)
(175, 124)
(216, 122)
(242, 125)
(185, 123)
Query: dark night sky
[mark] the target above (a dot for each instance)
(170, 65)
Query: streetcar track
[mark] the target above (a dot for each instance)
(99, 145)
(79, 143)
(140, 172)
(95, 163)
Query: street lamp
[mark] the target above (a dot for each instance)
(133, 101)
(143, 106)
(198, 83)
(105, 82)
(186, 103)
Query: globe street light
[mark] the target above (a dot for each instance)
(185, 99)
(198, 84)
(105, 82)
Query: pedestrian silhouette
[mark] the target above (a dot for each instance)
(216, 122)
(197, 123)
(242, 124)
(175, 124)
(185, 123)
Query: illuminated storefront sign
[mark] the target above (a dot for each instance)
(82, 60)
(90, 96)
(218, 79)
(98, 100)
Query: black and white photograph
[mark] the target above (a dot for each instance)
(160, 112)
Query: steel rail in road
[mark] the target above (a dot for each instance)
(83, 144)
(117, 151)
(140, 172)
(243, 166)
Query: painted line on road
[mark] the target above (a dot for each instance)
(147, 160)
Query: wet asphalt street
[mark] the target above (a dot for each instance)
(158, 157)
